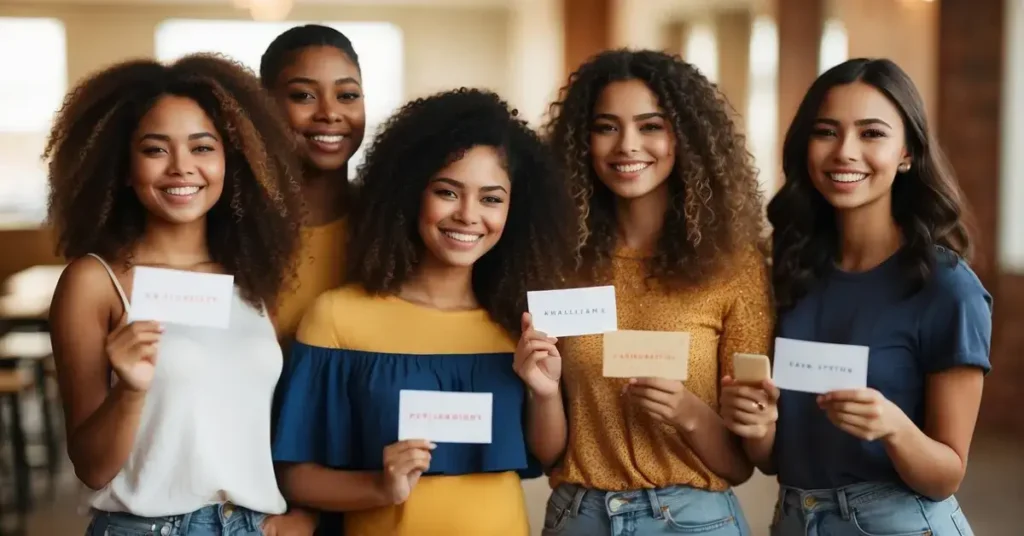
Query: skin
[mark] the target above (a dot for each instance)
(860, 130)
(629, 128)
(470, 197)
(320, 92)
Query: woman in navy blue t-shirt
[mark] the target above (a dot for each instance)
(869, 250)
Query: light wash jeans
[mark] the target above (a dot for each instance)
(576, 511)
(869, 509)
(213, 520)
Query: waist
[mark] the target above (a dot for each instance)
(845, 497)
(644, 459)
(440, 505)
(214, 515)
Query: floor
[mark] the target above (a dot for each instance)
(991, 497)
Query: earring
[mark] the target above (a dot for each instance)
(903, 168)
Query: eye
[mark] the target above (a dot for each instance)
(152, 151)
(873, 133)
(203, 149)
(601, 127)
(300, 96)
(445, 193)
(651, 127)
(349, 96)
(493, 200)
(821, 132)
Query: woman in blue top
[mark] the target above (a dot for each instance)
(869, 250)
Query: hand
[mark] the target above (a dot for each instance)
(665, 400)
(404, 462)
(294, 523)
(537, 361)
(749, 411)
(131, 349)
(863, 413)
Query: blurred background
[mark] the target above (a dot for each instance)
(966, 56)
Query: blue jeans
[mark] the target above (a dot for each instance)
(872, 509)
(213, 520)
(576, 511)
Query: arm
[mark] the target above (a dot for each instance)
(760, 451)
(101, 422)
(332, 490)
(720, 450)
(546, 428)
(933, 462)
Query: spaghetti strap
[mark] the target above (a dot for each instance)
(113, 279)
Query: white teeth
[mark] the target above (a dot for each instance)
(182, 190)
(847, 177)
(629, 168)
(462, 237)
(327, 139)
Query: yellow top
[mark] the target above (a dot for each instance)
(614, 446)
(354, 353)
(320, 267)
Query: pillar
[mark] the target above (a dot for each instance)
(732, 33)
(587, 27)
(799, 24)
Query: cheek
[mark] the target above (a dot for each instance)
(662, 147)
(600, 147)
(495, 220)
(432, 211)
(298, 115)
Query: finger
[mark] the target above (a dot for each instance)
(749, 418)
(771, 390)
(395, 449)
(667, 386)
(146, 337)
(855, 431)
(145, 326)
(657, 410)
(654, 395)
(851, 395)
(147, 352)
(749, 395)
(852, 408)
(848, 419)
(406, 467)
(745, 431)
(542, 345)
(727, 381)
(526, 324)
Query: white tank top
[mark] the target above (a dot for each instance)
(204, 435)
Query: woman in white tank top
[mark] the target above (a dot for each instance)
(188, 167)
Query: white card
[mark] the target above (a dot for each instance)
(818, 367)
(181, 297)
(577, 311)
(444, 417)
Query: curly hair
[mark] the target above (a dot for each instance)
(420, 140)
(927, 204)
(252, 230)
(716, 204)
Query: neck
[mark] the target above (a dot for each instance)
(640, 220)
(445, 288)
(868, 236)
(325, 194)
(174, 245)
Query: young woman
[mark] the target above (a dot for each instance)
(870, 250)
(313, 74)
(185, 167)
(670, 214)
(461, 208)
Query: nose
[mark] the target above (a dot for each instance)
(182, 163)
(468, 212)
(629, 140)
(329, 110)
(848, 148)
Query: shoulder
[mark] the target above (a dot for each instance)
(329, 313)
(84, 279)
(953, 281)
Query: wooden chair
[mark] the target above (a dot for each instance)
(13, 384)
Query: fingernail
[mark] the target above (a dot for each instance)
(432, 446)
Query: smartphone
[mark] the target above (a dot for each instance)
(751, 368)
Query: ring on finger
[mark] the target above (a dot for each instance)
(760, 406)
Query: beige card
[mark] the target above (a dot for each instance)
(646, 354)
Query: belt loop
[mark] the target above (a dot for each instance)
(577, 499)
(844, 506)
(183, 522)
(656, 510)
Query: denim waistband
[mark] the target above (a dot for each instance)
(176, 524)
(624, 502)
(841, 499)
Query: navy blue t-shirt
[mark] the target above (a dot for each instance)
(945, 324)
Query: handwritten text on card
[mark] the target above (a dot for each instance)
(181, 297)
(445, 417)
(578, 311)
(817, 367)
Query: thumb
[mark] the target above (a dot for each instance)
(527, 321)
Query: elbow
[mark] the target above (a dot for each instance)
(945, 490)
(740, 474)
(92, 479)
(288, 477)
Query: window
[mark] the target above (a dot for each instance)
(834, 45)
(32, 87)
(762, 107)
(1011, 179)
(378, 44)
(702, 50)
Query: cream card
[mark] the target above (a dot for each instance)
(181, 297)
(578, 311)
(751, 368)
(646, 354)
(817, 367)
(445, 417)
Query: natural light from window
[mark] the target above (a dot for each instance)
(32, 87)
(702, 50)
(834, 45)
(762, 107)
(379, 45)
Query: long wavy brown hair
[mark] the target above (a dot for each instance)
(716, 205)
(252, 230)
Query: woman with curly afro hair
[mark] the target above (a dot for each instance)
(462, 209)
(185, 167)
(870, 250)
(670, 214)
(313, 74)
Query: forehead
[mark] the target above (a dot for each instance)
(173, 114)
(626, 98)
(319, 63)
(480, 166)
(852, 102)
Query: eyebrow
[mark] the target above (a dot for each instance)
(338, 82)
(458, 184)
(638, 117)
(165, 137)
(859, 122)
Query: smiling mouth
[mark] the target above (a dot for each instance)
(182, 191)
(846, 178)
(634, 167)
(465, 238)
